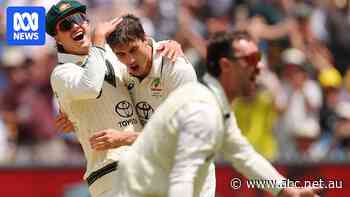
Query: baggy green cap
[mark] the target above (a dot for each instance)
(60, 10)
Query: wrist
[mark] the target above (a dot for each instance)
(132, 136)
(99, 39)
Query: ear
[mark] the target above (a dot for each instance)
(58, 40)
(225, 64)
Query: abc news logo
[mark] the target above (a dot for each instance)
(26, 25)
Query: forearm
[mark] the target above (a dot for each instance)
(94, 71)
(246, 160)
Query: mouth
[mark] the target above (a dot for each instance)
(133, 68)
(78, 36)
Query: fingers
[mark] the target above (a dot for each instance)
(62, 123)
(168, 52)
(172, 55)
(116, 21)
(160, 48)
(68, 128)
(101, 146)
(170, 49)
(99, 134)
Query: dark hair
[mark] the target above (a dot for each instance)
(129, 30)
(60, 48)
(219, 46)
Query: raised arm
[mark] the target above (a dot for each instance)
(245, 159)
(84, 82)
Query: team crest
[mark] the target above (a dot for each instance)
(156, 87)
(64, 6)
(131, 83)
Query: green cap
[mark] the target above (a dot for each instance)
(60, 10)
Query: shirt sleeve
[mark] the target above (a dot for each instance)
(73, 82)
(245, 159)
(196, 124)
(180, 73)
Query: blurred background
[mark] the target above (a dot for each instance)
(299, 118)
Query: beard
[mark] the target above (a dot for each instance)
(249, 89)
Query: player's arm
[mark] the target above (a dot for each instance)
(111, 138)
(245, 159)
(252, 165)
(196, 123)
(84, 82)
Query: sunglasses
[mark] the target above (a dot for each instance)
(67, 23)
(251, 59)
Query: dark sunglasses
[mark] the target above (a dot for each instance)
(67, 23)
(251, 59)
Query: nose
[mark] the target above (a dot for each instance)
(259, 67)
(75, 27)
(131, 60)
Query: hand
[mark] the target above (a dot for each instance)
(102, 31)
(63, 123)
(110, 138)
(170, 49)
(299, 192)
(106, 28)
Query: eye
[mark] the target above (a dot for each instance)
(120, 54)
(133, 50)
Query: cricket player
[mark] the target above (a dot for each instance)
(171, 157)
(151, 79)
(88, 83)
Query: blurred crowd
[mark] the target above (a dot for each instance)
(300, 111)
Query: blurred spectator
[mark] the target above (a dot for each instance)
(29, 113)
(342, 132)
(331, 83)
(338, 27)
(5, 148)
(256, 117)
(299, 103)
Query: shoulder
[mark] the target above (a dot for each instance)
(64, 71)
(180, 70)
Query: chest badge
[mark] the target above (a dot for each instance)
(156, 87)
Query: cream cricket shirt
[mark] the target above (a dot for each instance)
(163, 78)
(90, 89)
(172, 155)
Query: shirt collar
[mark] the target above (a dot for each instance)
(70, 58)
(215, 86)
(157, 60)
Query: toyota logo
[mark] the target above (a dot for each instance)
(124, 109)
(144, 111)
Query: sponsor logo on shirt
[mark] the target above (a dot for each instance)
(156, 87)
(144, 111)
(131, 83)
(125, 110)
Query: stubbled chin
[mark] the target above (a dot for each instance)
(250, 89)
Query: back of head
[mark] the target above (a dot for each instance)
(129, 30)
(219, 46)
